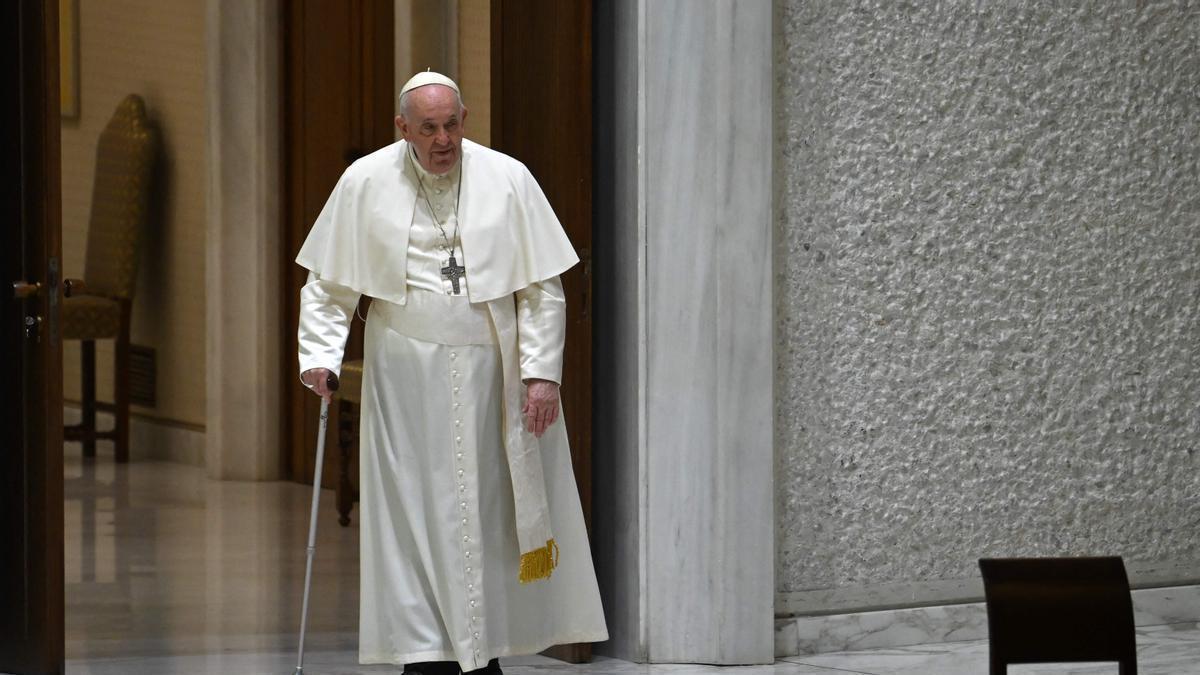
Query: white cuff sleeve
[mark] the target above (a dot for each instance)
(542, 329)
(326, 310)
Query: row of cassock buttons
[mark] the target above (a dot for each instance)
(462, 488)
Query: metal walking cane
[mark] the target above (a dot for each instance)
(332, 383)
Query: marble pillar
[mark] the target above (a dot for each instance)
(684, 516)
(242, 265)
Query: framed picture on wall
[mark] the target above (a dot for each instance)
(68, 53)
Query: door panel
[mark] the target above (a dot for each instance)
(542, 115)
(338, 73)
(31, 498)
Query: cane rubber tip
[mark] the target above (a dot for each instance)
(332, 383)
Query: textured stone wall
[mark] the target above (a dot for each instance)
(988, 291)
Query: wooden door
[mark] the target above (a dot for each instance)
(31, 469)
(338, 106)
(542, 115)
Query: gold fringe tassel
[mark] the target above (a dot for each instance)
(539, 563)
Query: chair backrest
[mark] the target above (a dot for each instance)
(125, 159)
(1059, 609)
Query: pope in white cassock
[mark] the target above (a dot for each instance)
(472, 535)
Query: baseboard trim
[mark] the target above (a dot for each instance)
(800, 635)
(149, 439)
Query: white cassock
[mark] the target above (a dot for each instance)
(441, 401)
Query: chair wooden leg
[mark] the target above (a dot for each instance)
(345, 500)
(87, 426)
(121, 388)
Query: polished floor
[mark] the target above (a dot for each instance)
(171, 573)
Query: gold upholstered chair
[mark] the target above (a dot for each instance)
(125, 157)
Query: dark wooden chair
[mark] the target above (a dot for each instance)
(1058, 610)
(125, 157)
(349, 396)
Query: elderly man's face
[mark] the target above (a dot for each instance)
(433, 124)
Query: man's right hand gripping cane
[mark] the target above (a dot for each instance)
(321, 381)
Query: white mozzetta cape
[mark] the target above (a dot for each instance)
(510, 235)
(510, 239)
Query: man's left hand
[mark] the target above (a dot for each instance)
(541, 406)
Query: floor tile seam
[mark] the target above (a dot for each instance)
(933, 643)
(831, 668)
(918, 649)
(838, 670)
(1172, 624)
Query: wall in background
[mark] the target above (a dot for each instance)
(988, 294)
(157, 50)
(452, 37)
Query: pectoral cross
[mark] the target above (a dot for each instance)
(452, 272)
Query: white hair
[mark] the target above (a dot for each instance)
(404, 99)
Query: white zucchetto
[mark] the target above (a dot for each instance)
(427, 78)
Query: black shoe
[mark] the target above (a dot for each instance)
(492, 668)
(433, 668)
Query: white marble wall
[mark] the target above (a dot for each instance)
(242, 267)
(691, 431)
